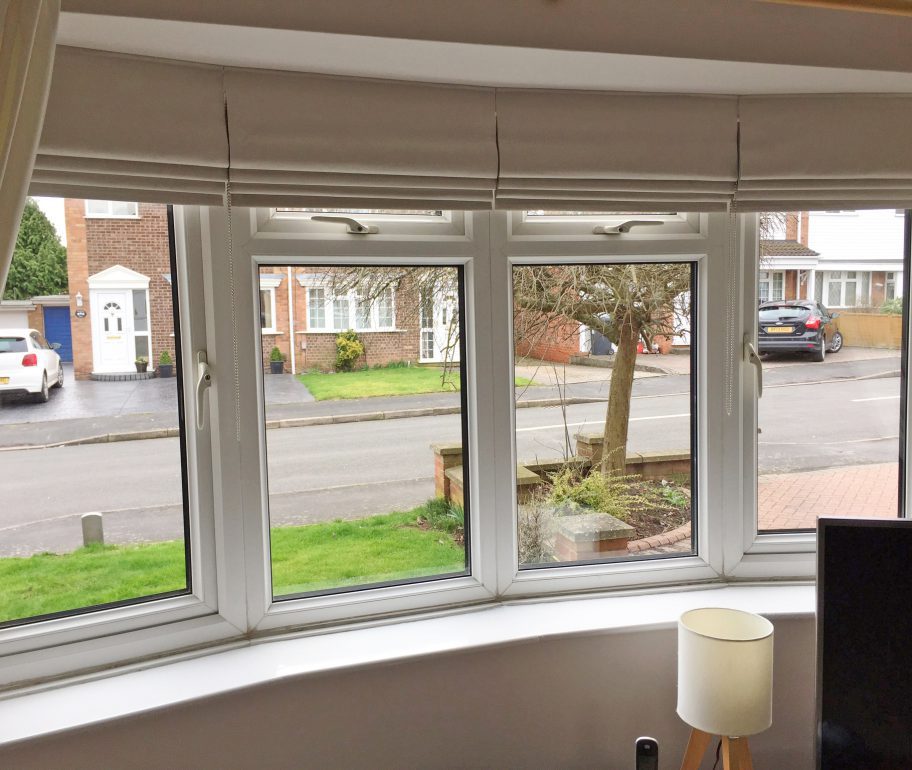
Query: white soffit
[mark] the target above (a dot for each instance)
(462, 63)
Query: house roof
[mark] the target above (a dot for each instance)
(785, 248)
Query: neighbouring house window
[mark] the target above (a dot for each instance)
(770, 285)
(141, 331)
(267, 310)
(846, 288)
(112, 209)
(890, 286)
(350, 310)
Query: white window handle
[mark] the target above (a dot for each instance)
(752, 357)
(353, 226)
(624, 227)
(203, 381)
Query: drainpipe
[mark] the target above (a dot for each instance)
(292, 344)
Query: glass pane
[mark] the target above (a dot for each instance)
(596, 484)
(385, 309)
(316, 308)
(363, 314)
(121, 209)
(91, 524)
(341, 319)
(383, 212)
(140, 311)
(97, 207)
(362, 503)
(266, 321)
(829, 417)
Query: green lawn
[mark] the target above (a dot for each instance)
(394, 381)
(308, 558)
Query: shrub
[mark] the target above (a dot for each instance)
(349, 349)
(604, 492)
(535, 525)
(165, 358)
(892, 306)
(142, 359)
(276, 355)
(443, 515)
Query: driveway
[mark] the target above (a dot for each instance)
(89, 398)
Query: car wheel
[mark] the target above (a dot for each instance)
(59, 376)
(836, 343)
(44, 394)
(820, 353)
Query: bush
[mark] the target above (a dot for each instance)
(892, 306)
(606, 493)
(535, 525)
(276, 355)
(349, 349)
(165, 358)
(444, 515)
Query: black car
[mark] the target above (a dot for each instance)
(798, 326)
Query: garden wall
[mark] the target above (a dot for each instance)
(870, 330)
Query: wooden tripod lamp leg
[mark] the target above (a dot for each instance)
(696, 748)
(736, 754)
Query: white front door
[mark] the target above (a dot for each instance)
(112, 316)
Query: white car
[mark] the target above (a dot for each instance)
(28, 364)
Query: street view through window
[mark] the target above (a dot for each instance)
(362, 371)
(830, 291)
(93, 503)
(604, 431)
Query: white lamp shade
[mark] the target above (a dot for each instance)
(725, 671)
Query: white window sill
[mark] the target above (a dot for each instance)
(357, 331)
(272, 332)
(246, 664)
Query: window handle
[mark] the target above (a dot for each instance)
(751, 356)
(203, 381)
(624, 227)
(353, 226)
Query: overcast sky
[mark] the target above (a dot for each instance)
(53, 209)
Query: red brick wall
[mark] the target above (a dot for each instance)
(555, 342)
(77, 275)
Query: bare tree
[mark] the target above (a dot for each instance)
(625, 303)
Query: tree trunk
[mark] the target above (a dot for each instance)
(614, 448)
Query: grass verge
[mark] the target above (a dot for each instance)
(392, 381)
(393, 546)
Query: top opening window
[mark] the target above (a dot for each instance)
(369, 213)
(112, 209)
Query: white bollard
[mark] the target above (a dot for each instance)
(92, 528)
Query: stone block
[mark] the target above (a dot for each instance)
(586, 536)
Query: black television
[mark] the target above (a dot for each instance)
(864, 644)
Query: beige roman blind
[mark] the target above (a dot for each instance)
(132, 128)
(312, 140)
(825, 152)
(575, 150)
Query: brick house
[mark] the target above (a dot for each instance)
(119, 272)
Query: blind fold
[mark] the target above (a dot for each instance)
(587, 150)
(300, 139)
(825, 152)
(132, 128)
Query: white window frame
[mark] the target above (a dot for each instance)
(842, 282)
(231, 595)
(96, 638)
(109, 213)
(769, 277)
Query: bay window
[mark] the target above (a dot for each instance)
(580, 415)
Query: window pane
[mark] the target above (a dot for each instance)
(97, 207)
(121, 209)
(597, 485)
(363, 503)
(385, 309)
(91, 524)
(363, 312)
(316, 308)
(829, 417)
(341, 319)
(266, 321)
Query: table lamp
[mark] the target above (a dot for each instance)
(725, 682)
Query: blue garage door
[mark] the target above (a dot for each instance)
(57, 329)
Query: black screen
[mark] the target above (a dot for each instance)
(864, 644)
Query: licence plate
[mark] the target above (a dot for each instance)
(4, 380)
(780, 329)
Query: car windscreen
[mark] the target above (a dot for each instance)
(13, 345)
(772, 313)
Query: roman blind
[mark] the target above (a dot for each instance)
(575, 150)
(312, 140)
(132, 128)
(825, 152)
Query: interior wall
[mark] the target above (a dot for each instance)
(574, 702)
